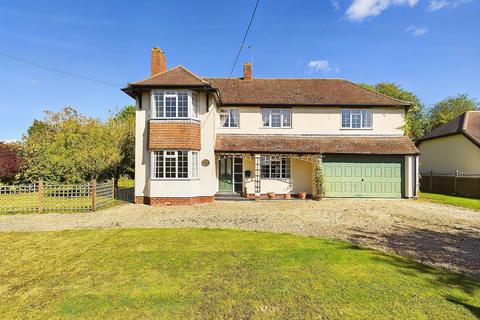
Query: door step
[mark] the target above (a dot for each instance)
(230, 197)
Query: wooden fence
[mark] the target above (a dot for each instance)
(48, 197)
(457, 183)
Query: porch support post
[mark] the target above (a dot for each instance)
(257, 173)
(318, 191)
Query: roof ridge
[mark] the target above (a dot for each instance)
(256, 78)
(191, 73)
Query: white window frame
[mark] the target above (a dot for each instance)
(193, 104)
(192, 164)
(284, 174)
(365, 124)
(281, 111)
(228, 113)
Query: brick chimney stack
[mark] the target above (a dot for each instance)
(158, 61)
(247, 71)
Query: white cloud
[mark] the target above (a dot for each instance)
(335, 4)
(361, 9)
(321, 66)
(417, 31)
(440, 4)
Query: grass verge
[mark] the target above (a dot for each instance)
(470, 203)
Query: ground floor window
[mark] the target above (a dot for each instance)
(174, 164)
(275, 167)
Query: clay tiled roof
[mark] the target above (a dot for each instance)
(467, 124)
(177, 76)
(315, 144)
(327, 92)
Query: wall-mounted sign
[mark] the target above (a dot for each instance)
(205, 162)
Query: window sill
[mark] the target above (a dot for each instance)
(174, 179)
(364, 129)
(275, 128)
(174, 119)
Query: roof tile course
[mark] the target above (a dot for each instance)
(315, 144)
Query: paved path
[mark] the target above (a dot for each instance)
(434, 234)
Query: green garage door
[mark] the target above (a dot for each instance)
(363, 176)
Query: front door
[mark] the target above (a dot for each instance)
(225, 175)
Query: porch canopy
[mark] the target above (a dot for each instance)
(315, 144)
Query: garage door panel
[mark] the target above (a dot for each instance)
(363, 176)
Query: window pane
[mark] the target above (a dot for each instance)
(194, 164)
(158, 164)
(366, 118)
(171, 107)
(234, 118)
(285, 167)
(287, 118)
(265, 117)
(182, 104)
(224, 120)
(356, 120)
(275, 168)
(265, 166)
(182, 164)
(158, 97)
(196, 106)
(345, 118)
(276, 120)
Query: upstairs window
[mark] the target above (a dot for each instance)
(174, 164)
(174, 104)
(276, 118)
(230, 118)
(356, 119)
(275, 167)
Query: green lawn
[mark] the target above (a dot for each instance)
(212, 274)
(470, 203)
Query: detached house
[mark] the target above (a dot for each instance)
(198, 137)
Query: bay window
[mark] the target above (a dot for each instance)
(357, 119)
(275, 167)
(174, 104)
(174, 164)
(230, 118)
(276, 118)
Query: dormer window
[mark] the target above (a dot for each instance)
(168, 104)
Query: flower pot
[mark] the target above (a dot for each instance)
(271, 195)
(302, 195)
(287, 196)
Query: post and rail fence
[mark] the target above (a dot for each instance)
(50, 197)
(454, 183)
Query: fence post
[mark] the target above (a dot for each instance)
(40, 195)
(113, 189)
(94, 194)
(456, 182)
(430, 182)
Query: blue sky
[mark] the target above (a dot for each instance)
(431, 47)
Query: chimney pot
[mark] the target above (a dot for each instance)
(247, 71)
(158, 61)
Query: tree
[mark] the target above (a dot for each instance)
(450, 108)
(10, 161)
(415, 117)
(123, 125)
(69, 147)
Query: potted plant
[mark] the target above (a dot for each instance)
(302, 195)
(271, 195)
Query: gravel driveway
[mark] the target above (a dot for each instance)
(430, 233)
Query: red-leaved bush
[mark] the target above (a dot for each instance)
(10, 161)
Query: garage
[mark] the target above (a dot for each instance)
(375, 176)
